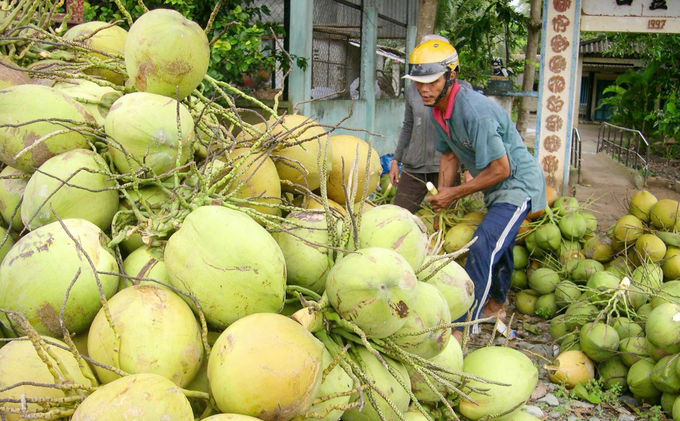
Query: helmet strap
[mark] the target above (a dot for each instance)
(445, 89)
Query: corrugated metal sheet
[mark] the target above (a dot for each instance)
(595, 46)
(343, 17)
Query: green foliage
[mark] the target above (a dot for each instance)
(667, 125)
(635, 95)
(477, 28)
(593, 391)
(236, 34)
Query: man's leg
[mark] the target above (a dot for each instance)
(411, 191)
(495, 234)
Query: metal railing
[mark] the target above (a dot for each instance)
(625, 145)
(576, 157)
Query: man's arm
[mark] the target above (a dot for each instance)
(497, 171)
(448, 170)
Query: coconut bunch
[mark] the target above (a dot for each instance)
(148, 225)
(613, 303)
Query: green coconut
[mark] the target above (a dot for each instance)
(571, 343)
(668, 293)
(665, 376)
(395, 228)
(671, 263)
(643, 312)
(626, 328)
(20, 363)
(646, 279)
(335, 382)
(11, 75)
(675, 410)
(154, 396)
(601, 286)
(242, 365)
(667, 401)
(620, 266)
(525, 301)
(104, 37)
(663, 325)
(235, 267)
(641, 204)
(152, 142)
(141, 341)
(374, 288)
(640, 380)
(504, 365)
(558, 329)
(90, 193)
(599, 341)
(37, 272)
(12, 185)
(145, 262)
(95, 98)
(519, 279)
(613, 372)
(598, 248)
(414, 415)
(239, 417)
(427, 311)
(632, 349)
(6, 243)
(546, 306)
(650, 248)
(451, 358)
(453, 281)
(457, 236)
(383, 380)
(565, 205)
(658, 353)
(544, 280)
(548, 237)
(566, 292)
(531, 245)
(346, 150)
(520, 257)
(303, 240)
(166, 54)
(591, 223)
(573, 226)
(628, 228)
(579, 313)
(26, 103)
(584, 269)
(664, 214)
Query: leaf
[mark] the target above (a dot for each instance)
(581, 392)
(531, 328)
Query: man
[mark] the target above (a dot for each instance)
(416, 149)
(475, 131)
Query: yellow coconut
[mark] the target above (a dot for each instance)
(314, 203)
(671, 263)
(266, 366)
(136, 397)
(664, 214)
(640, 205)
(257, 181)
(303, 145)
(345, 148)
(19, 362)
(628, 228)
(650, 247)
(570, 368)
(101, 36)
(457, 236)
(157, 333)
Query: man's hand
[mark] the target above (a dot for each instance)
(394, 173)
(444, 198)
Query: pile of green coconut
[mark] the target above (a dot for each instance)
(613, 298)
(165, 257)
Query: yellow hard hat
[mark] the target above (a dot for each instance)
(430, 60)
